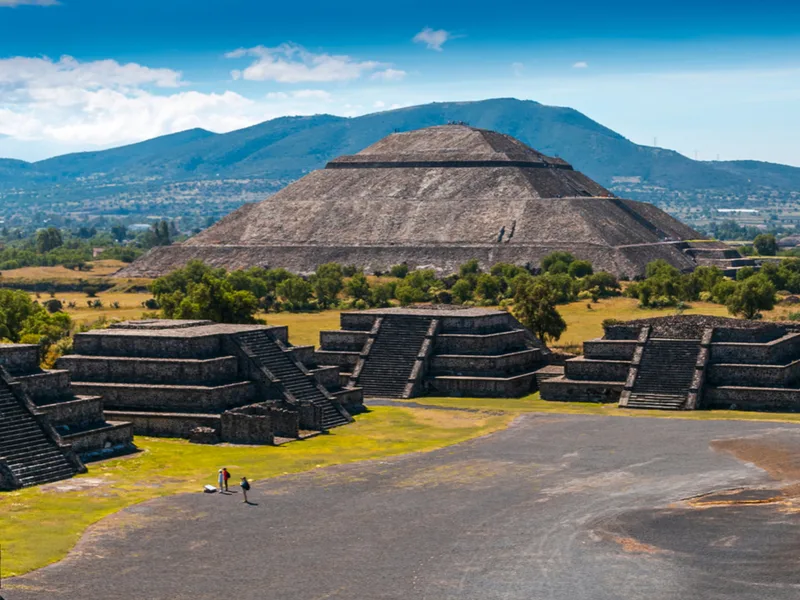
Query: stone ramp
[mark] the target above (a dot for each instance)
(665, 374)
(294, 377)
(26, 448)
(392, 356)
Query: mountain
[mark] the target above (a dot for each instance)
(281, 150)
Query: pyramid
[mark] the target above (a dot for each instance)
(436, 197)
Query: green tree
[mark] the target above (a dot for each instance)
(48, 239)
(358, 287)
(580, 268)
(535, 307)
(296, 293)
(399, 271)
(557, 262)
(751, 296)
(461, 291)
(766, 244)
(488, 287)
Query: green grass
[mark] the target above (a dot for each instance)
(38, 526)
(533, 403)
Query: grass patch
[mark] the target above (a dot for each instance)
(533, 403)
(130, 305)
(38, 526)
(304, 328)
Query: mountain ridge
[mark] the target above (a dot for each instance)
(286, 148)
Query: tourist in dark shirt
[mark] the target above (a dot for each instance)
(245, 486)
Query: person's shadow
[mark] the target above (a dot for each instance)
(246, 502)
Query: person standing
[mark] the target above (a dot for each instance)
(245, 487)
(225, 477)
(220, 481)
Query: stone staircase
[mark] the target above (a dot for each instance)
(392, 356)
(665, 374)
(28, 451)
(291, 374)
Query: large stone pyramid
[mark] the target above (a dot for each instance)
(437, 196)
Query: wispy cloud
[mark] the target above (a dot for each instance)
(581, 64)
(291, 63)
(518, 69)
(300, 95)
(433, 39)
(389, 75)
(13, 3)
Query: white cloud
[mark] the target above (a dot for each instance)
(300, 95)
(291, 63)
(581, 64)
(379, 104)
(432, 38)
(518, 69)
(103, 103)
(13, 3)
(389, 75)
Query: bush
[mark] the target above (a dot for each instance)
(399, 271)
(53, 306)
(610, 323)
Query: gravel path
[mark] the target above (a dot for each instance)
(560, 507)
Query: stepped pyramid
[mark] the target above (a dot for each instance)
(438, 197)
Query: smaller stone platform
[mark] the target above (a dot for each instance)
(77, 417)
(209, 381)
(442, 350)
(686, 362)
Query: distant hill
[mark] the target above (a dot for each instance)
(284, 149)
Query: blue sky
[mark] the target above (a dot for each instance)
(712, 79)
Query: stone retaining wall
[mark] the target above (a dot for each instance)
(777, 352)
(209, 371)
(596, 370)
(174, 425)
(484, 365)
(752, 398)
(754, 375)
(581, 391)
(176, 399)
(483, 387)
(19, 358)
(352, 341)
(207, 346)
(110, 439)
(609, 349)
(46, 387)
(493, 343)
(81, 412)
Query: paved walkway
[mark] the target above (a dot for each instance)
(556, 507)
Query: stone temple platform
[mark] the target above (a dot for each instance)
(209, 382)
(407, 352)
(684, 363)
(46, 429)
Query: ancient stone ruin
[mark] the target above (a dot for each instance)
(209, 382)
(46, 430)
(685, 363)
(447, 351)
(439, 197)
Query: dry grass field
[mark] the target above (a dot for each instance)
(101, 270)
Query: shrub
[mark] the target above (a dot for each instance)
(399, 271)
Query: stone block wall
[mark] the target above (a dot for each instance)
(495, 343)
(609, 349)
(751, 398)
(95, 443)
(583, 369)
(580, 391)
(754, 375)
(259, 424)
(76, 413)
(46, 387)
(483, 387)
(148, 346)
(176, 399)
(19, 358)
(162, 424)
(352, 341)
(211, 371)
(780, 351)
(503, 364)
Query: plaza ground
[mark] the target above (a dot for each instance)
(572, 507)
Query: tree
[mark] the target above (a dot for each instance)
(766, 244)
(296, 292)
(471, 267)
(557, 262)
(327, 283)
(23, 319)
(358, 287)
(48, 239)
(120, 232)
(488, 287)
(461, 291)
(535, 307)
(399, 271)
(751, 296)
(580, 268)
